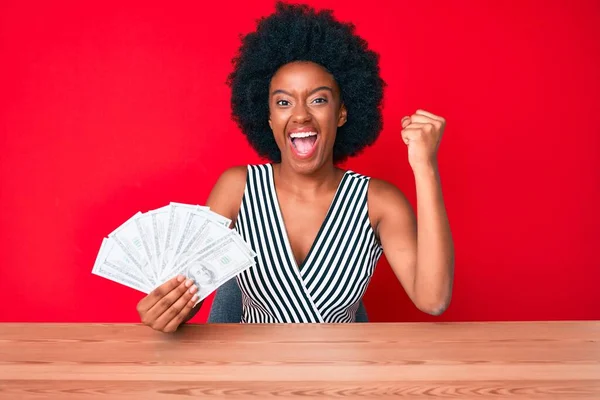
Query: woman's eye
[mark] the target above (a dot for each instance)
(283, 103)
(320, 100)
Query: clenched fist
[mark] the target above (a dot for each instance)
(422, 132)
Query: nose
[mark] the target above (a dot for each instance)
(301, 114)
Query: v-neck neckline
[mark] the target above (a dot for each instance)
(283, 227)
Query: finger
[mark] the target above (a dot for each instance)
(167, 301)
(410, 134)
(430, 115)
(423, 119)
(154, 296)
(405, 122)
(185, 311)
(165, 318)
(420, 125)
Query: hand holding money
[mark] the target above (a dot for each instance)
(167, 306)
(154, 252)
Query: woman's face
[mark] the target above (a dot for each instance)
(305, 112)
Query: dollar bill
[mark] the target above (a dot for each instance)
(129, 239)
(194, 220)
(220, 261)
(219, 219)
(209, 233)
(159, 218)
(175, 228)
(184, 220)
(113, 264)
(204, 233)
(144, 227)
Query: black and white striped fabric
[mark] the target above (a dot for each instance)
(329, 284)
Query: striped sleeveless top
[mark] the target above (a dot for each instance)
(337, 269)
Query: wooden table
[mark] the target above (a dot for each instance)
(542, 360)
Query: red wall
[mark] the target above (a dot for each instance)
(107, 110)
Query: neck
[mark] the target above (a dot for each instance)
(324, 178)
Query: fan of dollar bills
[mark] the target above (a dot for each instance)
(153, 247)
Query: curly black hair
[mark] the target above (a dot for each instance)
(299, 33)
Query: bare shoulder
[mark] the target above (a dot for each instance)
(226, 195)
(234, 176)
(383, 192)
(387, 202)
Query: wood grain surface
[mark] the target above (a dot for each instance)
(512, 360)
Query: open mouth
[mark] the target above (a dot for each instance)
(303, 143)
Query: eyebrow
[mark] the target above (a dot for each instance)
(311, 92)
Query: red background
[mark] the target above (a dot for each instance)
(117, 108)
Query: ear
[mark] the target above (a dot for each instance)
(270, 124)
(343, 116)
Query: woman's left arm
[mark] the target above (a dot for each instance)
(420, 251)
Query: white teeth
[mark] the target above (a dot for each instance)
(302, 134)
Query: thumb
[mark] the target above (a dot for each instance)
(405, 122)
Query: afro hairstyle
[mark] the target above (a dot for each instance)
(299, 33)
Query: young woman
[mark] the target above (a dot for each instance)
(306, 92)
